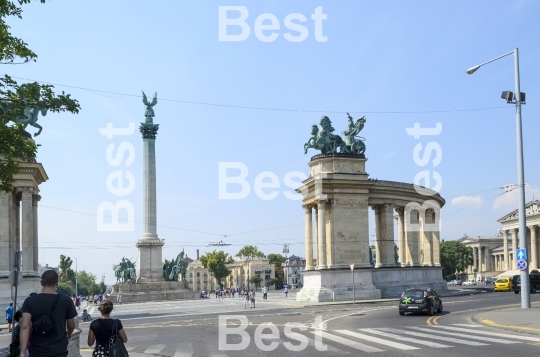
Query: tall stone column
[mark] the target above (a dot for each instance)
(514, 247)
(6, 246)
(387, 234)
(505, 248)
(378, 238)
(534, 248)
(321, 231)
(35, 200)
(150, 263)
(426, 239)
(401, 235)
(309, 236)
(436, 239)
(480, 255)
(330, 254)
(475, 261)
(27, 232)
(412, 229)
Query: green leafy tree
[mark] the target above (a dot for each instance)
(65, 288)
(250, 251)
(86, 283)
(276, 260)
(255, 280)
(455, 257)
(535, 271)
(66, 275)
(14, 98)
(216, 262)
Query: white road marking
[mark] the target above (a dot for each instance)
(434, 337)
(406, 339)
(154, 349)
(481, 338)
(502, 335)
(184, 350)
(397, 345)
(348, 343)
(311, 342)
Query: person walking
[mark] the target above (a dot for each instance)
(286, 291)
(245, 296)
(265, 293)
(9, 316)
(252, 298)
(77, 303)
(119, 298)
(101, 330)
(15, 345)
(47, 339)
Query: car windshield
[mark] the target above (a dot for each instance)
(502, 281)
(417, 294)
(516, 278)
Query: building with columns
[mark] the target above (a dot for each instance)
(337, 198)
(19, 229)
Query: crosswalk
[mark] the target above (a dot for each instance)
(358, 342)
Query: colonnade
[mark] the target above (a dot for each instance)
(532, 247)
(418, 237)
(19, 229)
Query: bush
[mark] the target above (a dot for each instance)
(535, 271)
(65, 288)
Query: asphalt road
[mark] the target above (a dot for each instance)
(331, 330)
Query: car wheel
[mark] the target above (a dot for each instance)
(516, 292)
(439, 310)
(430, 311)
(533, 290)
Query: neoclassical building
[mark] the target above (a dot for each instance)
(495, 255)
(200, 278)
(293, 268)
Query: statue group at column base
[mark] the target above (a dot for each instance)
(155, 291)
(370, 283)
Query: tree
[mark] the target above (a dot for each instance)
(65, 288)
(534, 271)
(255, 280)
(86, 283)
(455, 257)
(276, 260)
(14, 98)
(67, 275)
(216, 262)
(250, 251)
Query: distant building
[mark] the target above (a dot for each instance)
(293, 269)
(200, 278)
(42, 269)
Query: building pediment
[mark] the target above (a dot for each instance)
(531, 209)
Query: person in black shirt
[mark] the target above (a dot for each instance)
(101, 330)
(54, 344)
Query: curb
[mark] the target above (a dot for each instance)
(502, 327)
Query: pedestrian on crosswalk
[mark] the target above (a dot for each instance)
(101, 330)
(252, 298)
(245, 296)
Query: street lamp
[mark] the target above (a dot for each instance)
(519, 99)
(247, 263)
(76, 278)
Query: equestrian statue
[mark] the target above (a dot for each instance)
(328, 143)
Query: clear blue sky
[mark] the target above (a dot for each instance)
(381, 56)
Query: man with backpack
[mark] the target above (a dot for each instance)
(51, 318)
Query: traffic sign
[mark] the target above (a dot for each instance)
(521, 264)
(521, 254)
(352, 266)
(11, 278)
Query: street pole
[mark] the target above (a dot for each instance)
(17, 263)
(525, 291)
(522, 233)
(76, 278)
(353, 290)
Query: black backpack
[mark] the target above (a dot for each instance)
(43, 325)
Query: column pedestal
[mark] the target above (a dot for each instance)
(150, 264)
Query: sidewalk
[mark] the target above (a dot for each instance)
(513, 319)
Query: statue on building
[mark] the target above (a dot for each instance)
(396, 255)
(422, 254)
(148, 128)
(30, 116)
(125, 272)
(175, 269)
(324, 140)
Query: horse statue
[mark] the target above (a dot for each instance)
(174, 268)
(351, 143)
(125, 272)
(30, 116)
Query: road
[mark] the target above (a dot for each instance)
(182, 329)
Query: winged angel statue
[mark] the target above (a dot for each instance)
(149, 106)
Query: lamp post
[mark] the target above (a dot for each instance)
(525, 294)
(247, 263)
(76, 278)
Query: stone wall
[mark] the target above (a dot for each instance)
(27, 286)
(162, 290)
(393, 281)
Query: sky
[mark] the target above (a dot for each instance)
(253, 102)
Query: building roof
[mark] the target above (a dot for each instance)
(531, 209)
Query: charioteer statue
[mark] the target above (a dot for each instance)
(348, 143)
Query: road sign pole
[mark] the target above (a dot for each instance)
(16, 263)
(353, 287)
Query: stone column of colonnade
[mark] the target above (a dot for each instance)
(384, 233)
(27, 231)
(505, 249)
(320, 236)
(309, 236)
(534, 248)
(514, 247)
(401, 236)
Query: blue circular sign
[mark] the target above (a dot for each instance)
(522, 264)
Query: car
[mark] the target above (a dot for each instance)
(469, 282)
(503, 284)
(534, 283)
(420, 300)
(454, 282)
(489, 281)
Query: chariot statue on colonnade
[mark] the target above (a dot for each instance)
(328, 143)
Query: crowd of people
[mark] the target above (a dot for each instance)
(45, 322)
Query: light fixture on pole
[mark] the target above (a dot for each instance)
(76, 278)
(519, 100)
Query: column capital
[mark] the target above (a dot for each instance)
(400, 210)
(532, 226)
(36, 199)
(376, 208)
(26, 192)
